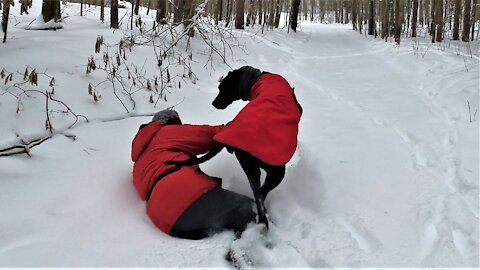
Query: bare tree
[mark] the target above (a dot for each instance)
(294, 14)
(137, 6)
(161, 11)
(414, 18)
(371, 19)
(260, 12)
(466, 21)
(219, 15)
(354, 14)
(438, 20)
(102, 10)
(456, 19)
(179, 11)
(5, 15)
(229, 12)
(189, 12)
(474, 18)
(240, 14)
(398, 26)
(51, 10)
(277, 14)
(114, 14)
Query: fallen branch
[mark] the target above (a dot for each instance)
(23, 148)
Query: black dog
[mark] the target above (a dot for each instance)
(260, 125)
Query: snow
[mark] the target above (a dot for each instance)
(386, 173)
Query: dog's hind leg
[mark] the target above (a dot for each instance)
(275, 175)
(252, 171)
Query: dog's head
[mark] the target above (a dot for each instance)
(229, 90)
(235, 86)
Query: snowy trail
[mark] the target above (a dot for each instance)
(414, 150)
(386, 173)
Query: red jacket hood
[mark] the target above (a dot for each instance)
(144, 137)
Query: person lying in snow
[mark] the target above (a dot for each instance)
(183, 201)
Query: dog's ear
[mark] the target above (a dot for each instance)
(221, 78)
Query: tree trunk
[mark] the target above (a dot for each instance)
(271, 13)
(474, 18)
(51, 10)
(414, 18)
(398, 25)
(240, 14)
(250, 15)
(137, 6)
(294, 15)
(219, 16)
(432, 20)
(179, 10)
(371, 19)
(466, 21)
(260, 12)
(277, 14)
(312, 11)
(354, 14)
(5, 14)
(161, 16)
(102, 10)
(189, 13)
(114, 14)
(229, 12)
(439, 20)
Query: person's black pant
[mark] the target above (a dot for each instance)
(217, 210)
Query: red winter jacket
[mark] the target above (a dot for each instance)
(267, 126)
(177, 188)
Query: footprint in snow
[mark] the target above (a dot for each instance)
(363, 237)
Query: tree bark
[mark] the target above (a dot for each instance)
(5, 15)
(312, 11)
(251, 13)
(179, 11)
(229, 12)
(354, 14)
(189, 12)
(466, 21)
(260, 12)
(161, 16)
(277, 14)
(371, 19)
(137, 6)
(414, 18)
(51, 10)
(474, 18)
(114, 14)
(271, 13)
(102, 10)
(240, 14)
(219, 16)
(398, 25)
(294, 15)
(439, 20)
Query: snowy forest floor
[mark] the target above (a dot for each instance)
(386, 173)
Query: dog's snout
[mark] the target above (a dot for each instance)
(218, 105)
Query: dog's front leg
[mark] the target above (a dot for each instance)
(253, 174)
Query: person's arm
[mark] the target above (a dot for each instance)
(194, 139)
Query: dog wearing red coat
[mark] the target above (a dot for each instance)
(263, 134)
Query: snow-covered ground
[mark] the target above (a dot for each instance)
(386, 173)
